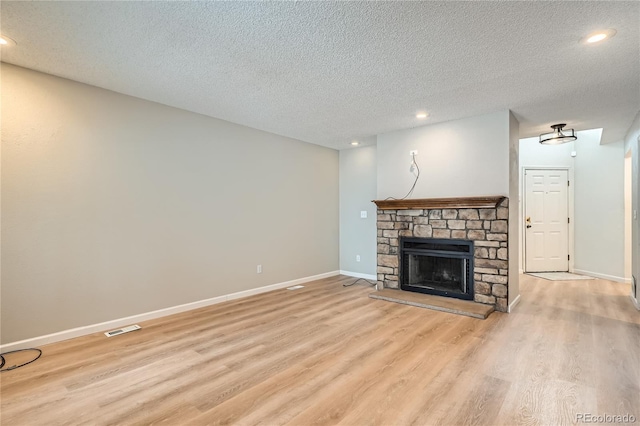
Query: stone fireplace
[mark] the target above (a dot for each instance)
(420, 228)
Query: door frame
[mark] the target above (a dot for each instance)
(523, 198)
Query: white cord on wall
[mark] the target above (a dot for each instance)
(413, 168)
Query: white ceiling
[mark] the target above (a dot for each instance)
(332, 72)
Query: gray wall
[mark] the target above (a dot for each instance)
(627, 216)
(632, 143)
(599, 208)
(357, 190)
(114, 206)
(460, 158)
(514, 196)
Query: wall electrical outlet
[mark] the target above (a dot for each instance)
(363, 214)
(413, 152)
(357, 258)
(259, 269)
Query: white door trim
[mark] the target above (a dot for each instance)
(571, 211)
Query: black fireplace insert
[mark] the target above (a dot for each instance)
(443, 267)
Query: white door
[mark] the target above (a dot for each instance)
(546, 230)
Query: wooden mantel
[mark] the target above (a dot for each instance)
(440, 203)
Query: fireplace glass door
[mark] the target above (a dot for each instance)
(437, 273)
(440, 267)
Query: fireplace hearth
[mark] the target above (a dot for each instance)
(413, 236)
(437, 266)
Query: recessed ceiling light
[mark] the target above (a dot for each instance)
(6, 41)
(355, 143)
(597, 36)
(422, 115)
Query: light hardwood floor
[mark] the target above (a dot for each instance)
(327, 354)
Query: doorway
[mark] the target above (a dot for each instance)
(546, 220)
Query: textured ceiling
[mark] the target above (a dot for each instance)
(331, 72)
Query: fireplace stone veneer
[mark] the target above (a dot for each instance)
(487, 226)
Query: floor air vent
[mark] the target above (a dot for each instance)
(122, 330)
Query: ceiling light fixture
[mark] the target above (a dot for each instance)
(6, 41)
(558, 136)
(597, 36)
(355, 143)
(422, 115)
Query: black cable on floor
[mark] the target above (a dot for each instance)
(359, 279)
(21, 365)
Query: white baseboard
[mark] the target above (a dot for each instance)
(108, 325)
(635, 302)
(601, 276)
(513, 304)
(359, 275)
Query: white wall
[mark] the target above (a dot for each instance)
(596, 200)
(599, 208)
(632, 144)
(357, 190)
(467, 157)
(535, 155)
(114, 206)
